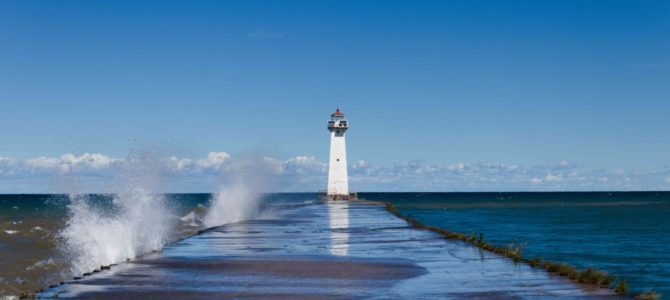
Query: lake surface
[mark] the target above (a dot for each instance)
(624, 233)
(45, 239)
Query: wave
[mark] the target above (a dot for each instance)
(140, 222)
(240, 198)
(191, 219)
(233, 203)
(42, 264)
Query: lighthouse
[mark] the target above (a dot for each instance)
(338, 180)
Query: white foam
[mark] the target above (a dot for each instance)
(233, 203)
(138, 222)
(191, 219)
(141, 220)
(11, 231)
(94, 237)
(239, 198)
(42, 263)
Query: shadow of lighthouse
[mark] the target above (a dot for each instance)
(338, 221)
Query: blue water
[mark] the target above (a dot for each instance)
(32, 255)
(624, 233)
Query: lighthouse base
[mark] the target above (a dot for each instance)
(323, 196)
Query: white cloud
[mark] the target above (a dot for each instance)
(360, 164)
(456, 167)
(7, 166)
(180, 164)
(305, 165)
(214, 160)
(552, 178)
(564, 164)
(213, 163)
(297, 166)
(91, 160)
(273, 164)
(44, 162)
(69, 162)
(307, 173)
(361, 168)
(513, 168)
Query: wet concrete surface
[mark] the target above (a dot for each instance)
(335, 250)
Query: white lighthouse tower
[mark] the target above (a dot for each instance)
(338, 180)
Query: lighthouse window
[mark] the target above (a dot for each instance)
(338, 159)
(337, 131)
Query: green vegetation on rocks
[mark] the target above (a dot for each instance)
(649, 296)
(621, 287)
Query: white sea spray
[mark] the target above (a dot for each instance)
(232, 203)
(239, 197)
(42, 264)
(38, 228)
(139, 221)
(191, 219)
(94, 237)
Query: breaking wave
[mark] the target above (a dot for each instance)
(137, 221)
(140, 222)
(239, 198)
(234, 203)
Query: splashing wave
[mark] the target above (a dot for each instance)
(140, 223)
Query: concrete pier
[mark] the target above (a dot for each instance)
(336, 250)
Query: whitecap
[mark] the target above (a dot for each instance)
(190, 219)
(42, 263)
(93, 237)
(11, 231)
(233, 203)
(37, 228)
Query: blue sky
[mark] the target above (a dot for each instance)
(577, 86)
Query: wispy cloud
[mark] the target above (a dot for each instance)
(306, 173)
